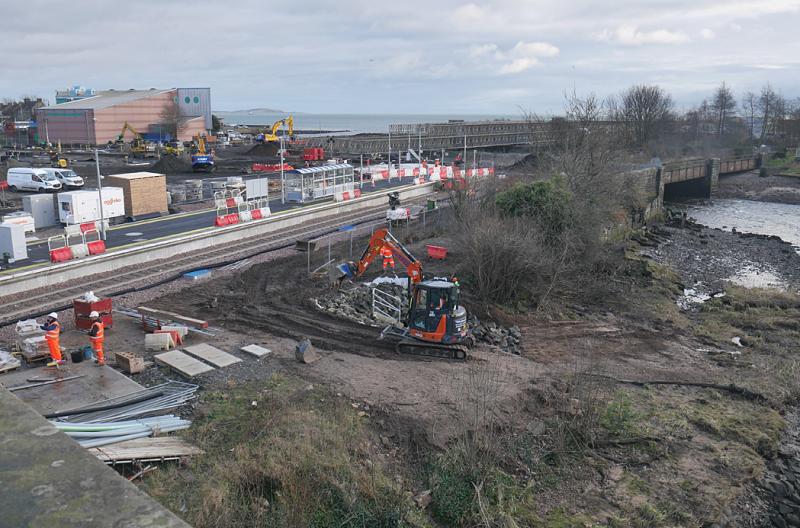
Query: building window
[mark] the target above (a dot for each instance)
(187, 99)
(196, 100)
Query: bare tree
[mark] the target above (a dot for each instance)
(750, 106)
(646, 111)
(173, 119)
(767, 103)
(723, 104)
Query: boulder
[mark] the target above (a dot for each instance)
(304, 352)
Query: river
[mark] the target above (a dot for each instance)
(746, 216)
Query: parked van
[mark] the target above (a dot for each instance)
(28, 179)
(68, 178)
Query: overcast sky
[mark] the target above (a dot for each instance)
(411, 56)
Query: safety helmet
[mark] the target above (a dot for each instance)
(53, 315)
(94, 314)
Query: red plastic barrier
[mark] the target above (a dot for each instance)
(230, 202)
(256, 214)
(232, 218)
(357, 193)
(221, 221)
(61, 254)
(88, 226)
(275, 167)
(97, 247)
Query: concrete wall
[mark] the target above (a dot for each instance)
(191, 128)
(49, 480)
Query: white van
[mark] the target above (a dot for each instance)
(28, 179)
(68, 178)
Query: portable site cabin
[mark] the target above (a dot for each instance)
(78, 207)
(317, 183)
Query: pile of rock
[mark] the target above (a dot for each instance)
(506, 339)
(782, 483)
(356, 303)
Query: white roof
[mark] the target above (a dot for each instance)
(107, 98)
(323, 168)
(135, 175)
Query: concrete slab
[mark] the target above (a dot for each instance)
(212, 354)
(97, 383)
(49, 480)
(186, 365)
(257, 351)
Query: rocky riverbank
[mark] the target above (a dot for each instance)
(749, 186)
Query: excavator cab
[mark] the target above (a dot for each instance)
(435, 315)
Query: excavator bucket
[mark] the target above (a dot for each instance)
(346, 269)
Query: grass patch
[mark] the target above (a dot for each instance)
(299, 457)
(751, 424)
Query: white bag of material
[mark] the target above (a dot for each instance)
(27, 326)
(90, 297)
(32, 345)
(7, 360)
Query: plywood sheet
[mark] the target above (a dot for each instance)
(212, 354)
(186, 365)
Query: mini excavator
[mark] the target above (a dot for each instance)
(435, 324)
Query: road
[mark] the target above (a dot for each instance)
(133, 233)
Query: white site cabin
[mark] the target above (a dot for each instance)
(78, 207)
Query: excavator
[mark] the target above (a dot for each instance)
(435, 324)
(138, 145)
(202, 159)
(270, 135)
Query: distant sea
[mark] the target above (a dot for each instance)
(354, 123)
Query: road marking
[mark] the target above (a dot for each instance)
(133, 234)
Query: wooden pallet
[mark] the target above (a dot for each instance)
(10, 368)
(148, 449)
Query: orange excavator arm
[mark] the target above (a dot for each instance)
(383, 238)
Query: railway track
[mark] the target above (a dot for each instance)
(60, 296)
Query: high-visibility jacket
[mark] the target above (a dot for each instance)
(97, 332)
(52, 331)
(386, 252)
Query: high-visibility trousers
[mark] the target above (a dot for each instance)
(388, 262)
(97, 347)
(55, 349)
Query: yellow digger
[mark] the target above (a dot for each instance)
(138, 145)
(270, 135)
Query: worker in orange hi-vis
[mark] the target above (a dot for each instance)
(96, 334)
(388, 257)
(52, 335)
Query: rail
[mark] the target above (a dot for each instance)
(386, 306)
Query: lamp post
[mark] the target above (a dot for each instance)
(100, 194)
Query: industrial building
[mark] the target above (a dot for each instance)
(99, 118)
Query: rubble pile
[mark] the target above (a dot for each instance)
(356, 303)
(506, 339)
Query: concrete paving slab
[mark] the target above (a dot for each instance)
(186, 365)
(212, 354)
(255, 350)
(97, 383)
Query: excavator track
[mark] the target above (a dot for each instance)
(421, 348)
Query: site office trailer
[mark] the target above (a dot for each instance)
(78, 207)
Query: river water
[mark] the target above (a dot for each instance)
(747, 216)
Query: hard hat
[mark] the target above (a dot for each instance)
(53, 315)
(94, 314)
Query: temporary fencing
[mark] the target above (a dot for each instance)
(94, 434)
(148, 402)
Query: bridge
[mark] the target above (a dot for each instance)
(699, 177)
(454, 135)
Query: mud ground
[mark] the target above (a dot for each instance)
(749, 186)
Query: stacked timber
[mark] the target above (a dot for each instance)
(145, 192)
